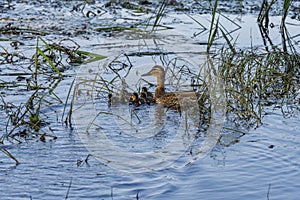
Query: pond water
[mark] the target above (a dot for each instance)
(103, 157)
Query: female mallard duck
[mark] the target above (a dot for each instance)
(168, 99)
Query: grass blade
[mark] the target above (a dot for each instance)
(160, 14)
(212, 32)
(94, 56)
(49, 61)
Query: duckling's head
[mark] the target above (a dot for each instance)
(134, 96)
(109, 96)
(144, 90)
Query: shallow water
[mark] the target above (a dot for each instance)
(243, 171)
(260, 163)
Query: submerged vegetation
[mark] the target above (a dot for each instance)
(254, 78)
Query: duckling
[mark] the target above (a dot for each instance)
(124, 93)
(111, 100)
(135, 100)
(147, 96)
(121, 97)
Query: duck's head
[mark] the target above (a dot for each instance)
(156, 71)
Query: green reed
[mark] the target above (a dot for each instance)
(255, 80)
(263, 15)
(286, 6)
(159, 15)
(40, 52)
(213, 29)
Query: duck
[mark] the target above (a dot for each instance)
(168, 99)
(135, 100)
(114, 99)
(119, 98)
(147, 96)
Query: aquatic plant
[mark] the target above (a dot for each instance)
(213, 30)
(251, 75)
(9, 155)
(44, 73)
(256, 79)
(159, 14)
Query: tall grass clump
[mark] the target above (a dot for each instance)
(255, 80)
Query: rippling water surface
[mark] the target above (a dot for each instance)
(254, 163)
(250, 169)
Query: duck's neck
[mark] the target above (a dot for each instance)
(160, 89)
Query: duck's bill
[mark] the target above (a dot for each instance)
(147, 74)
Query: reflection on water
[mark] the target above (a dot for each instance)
(244, 170)
(263, 163)
(152, 138)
